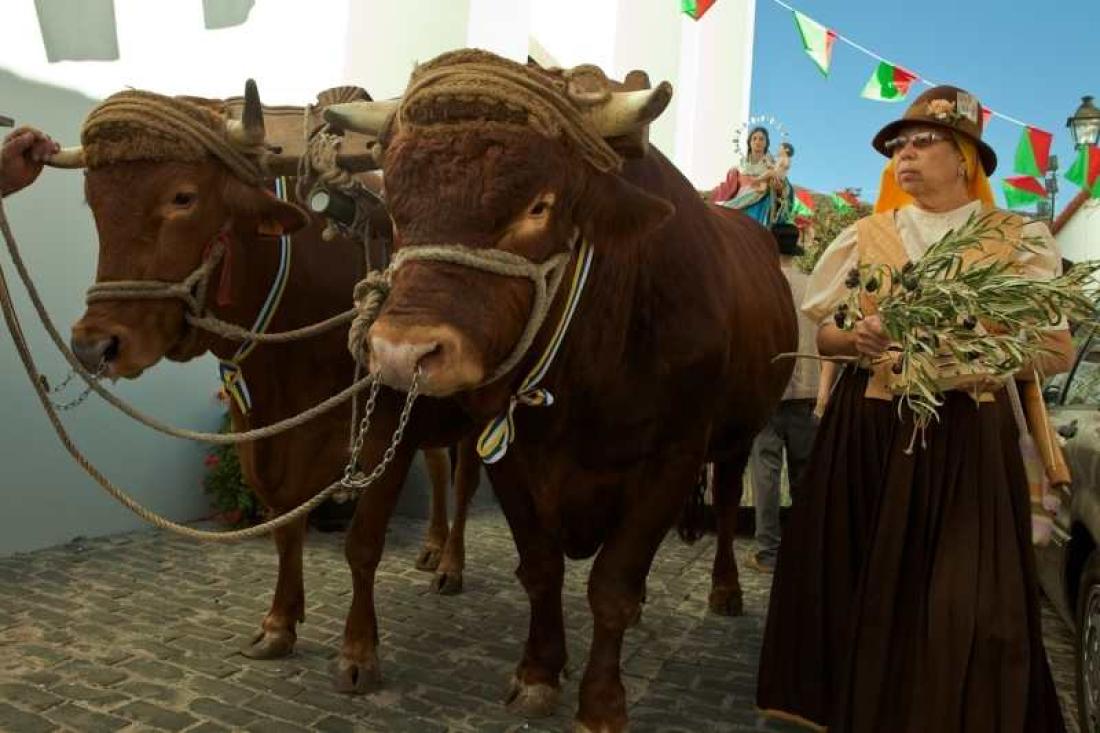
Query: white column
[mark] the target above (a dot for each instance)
(715, 80)
(576, 32)
(387, 39)
(500, 26)
(647, 37)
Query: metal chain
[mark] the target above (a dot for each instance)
(350, 481)
(79, 399)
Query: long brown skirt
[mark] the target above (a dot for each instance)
(905, 597)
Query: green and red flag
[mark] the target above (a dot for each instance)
(1033, 152)
(1022, 191)
(888, 83)
(817, 40)
(696, 8)
(803, 204)
(1085, 171)
(844, 201)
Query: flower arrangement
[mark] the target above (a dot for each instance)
(953, 325)
(224, 483)
(943, 110)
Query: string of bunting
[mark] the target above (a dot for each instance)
(890, 82)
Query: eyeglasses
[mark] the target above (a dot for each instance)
(920, 140)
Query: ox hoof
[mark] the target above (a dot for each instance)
(356, 678)
(727, 602)
(270, 645)
(428, 559)
(532, 701)
(447, 583)
(579, 727)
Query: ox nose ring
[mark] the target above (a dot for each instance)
(93, 353)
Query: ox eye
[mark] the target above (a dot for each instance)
(542, 206)
(184, 199)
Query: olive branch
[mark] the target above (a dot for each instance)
(950, 324)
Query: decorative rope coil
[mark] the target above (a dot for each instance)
(370, 294)
(139, 125)
(470, 87)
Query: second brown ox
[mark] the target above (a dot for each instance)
(668, 361)
(160, 204)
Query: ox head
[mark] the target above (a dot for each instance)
(486, 172)
(160, 202)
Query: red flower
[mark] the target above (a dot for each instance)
(211, 460)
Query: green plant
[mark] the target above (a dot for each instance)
(225, 485)
(827, 222)
(984, 319)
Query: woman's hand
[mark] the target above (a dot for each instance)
(870, 337)
(22, 156)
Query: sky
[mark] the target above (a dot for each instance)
(1030, 61)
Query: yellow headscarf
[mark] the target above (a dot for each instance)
(890, 195)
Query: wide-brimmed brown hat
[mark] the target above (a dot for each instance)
(950, 108)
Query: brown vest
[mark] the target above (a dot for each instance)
(879, 243)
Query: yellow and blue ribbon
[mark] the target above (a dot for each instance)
(229, 370)
(499, 434)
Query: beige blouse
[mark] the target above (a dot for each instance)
(919, 230)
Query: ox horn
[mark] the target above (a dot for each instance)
(67, 158)
(248, 132)
(366, 117)
(625, 112)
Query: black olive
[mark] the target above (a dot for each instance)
(969, 323)
(839, 319)
(872, 285)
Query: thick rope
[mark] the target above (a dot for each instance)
(347, 481)
(148, 420)
(512, 93)
(139, 125)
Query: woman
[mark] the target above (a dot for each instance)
(759, 185)
(905, 596)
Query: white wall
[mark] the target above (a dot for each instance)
(1079, 238)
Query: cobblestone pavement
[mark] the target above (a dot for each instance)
(141, 632)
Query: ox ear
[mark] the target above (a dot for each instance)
(276, 217)
(614, 209)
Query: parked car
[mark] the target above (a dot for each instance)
(1069, 567)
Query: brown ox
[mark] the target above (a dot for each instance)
(155, 221)
(668, 361)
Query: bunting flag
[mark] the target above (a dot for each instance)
(1022, 191)
(1033, 152)
(817, 41)
(803, 204)
(696, 8)
(844, 201)
(1085, 171)
(987, 115)
(888, 83)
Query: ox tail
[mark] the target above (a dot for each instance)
(692, 524)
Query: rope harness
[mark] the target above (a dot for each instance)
(172, 129)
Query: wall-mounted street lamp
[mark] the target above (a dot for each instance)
(1084, 126)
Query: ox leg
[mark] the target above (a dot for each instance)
(616, 587)
(725, 594)
(357, 669)
(536, 688)
(277, 632)
(439, 472)
(448, 576)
